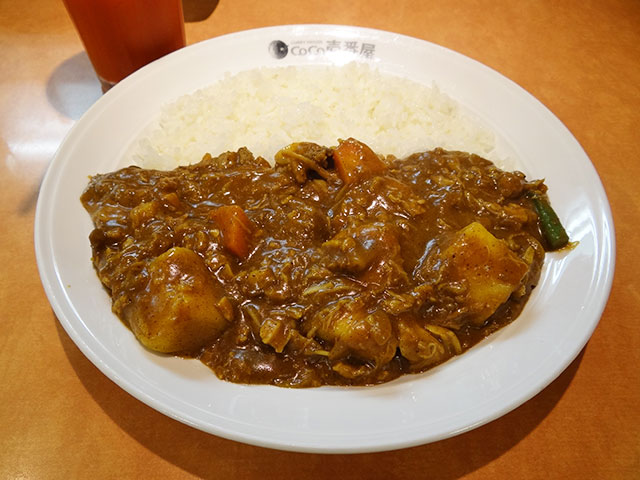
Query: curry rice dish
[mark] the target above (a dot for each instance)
(335, 266)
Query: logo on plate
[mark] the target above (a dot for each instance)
(345, 49)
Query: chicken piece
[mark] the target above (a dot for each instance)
(488, 267)
(426, 345)
(301, 158)
(354, 331)
(371, 251)
(417, 345)
(376, 199)
(228, 160)
(355, 249)
(181, 308)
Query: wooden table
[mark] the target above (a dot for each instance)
(60, 417)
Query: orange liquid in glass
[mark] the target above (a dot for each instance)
(121, 36)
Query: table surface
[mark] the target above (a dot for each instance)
(60, 417)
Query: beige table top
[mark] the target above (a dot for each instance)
(60, 417)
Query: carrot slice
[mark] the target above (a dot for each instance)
(235, 227)
(354, 160)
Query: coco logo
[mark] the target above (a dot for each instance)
(312, 50)
(278, 49)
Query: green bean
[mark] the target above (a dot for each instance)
(550, 226)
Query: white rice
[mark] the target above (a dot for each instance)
(266, 109)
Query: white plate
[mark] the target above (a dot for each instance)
(491, 379)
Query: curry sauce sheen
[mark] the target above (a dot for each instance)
(334, 266)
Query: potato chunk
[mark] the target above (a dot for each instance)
(177, 311)
(491, 270)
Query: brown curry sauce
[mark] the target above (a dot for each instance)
(301, 275)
